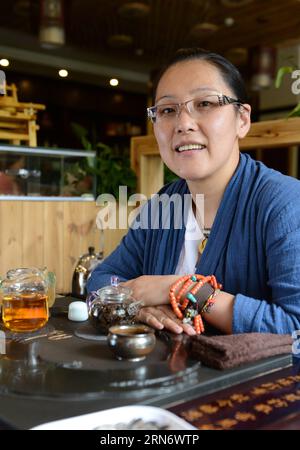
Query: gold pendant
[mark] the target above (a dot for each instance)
(202, 245)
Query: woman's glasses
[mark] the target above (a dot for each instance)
(197, 107)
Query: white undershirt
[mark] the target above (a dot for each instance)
(189, 253)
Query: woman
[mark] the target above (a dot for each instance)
(252, 212)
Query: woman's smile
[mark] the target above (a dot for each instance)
(182, 148)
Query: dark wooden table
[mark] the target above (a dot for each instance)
(42, 380)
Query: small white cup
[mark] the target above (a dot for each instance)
(78, 311)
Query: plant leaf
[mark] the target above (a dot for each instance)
(280, 74)
(86, 143)
(79, 130)
(295, 112)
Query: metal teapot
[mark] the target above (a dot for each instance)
(83, 269)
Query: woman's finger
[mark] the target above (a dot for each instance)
(166, 309)
(157, 318)
(188, 329)
(149, 318)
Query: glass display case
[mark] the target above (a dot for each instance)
(46, 173)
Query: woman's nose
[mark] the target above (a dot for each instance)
(185, 122)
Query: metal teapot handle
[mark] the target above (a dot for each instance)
(92, 296)
(94, 306)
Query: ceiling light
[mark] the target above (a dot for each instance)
(262, 20)
(63, 73)
(22, 8)
(113, 82)
(235, 3)
(134, 10)
(118, 98)
(237, 55)
(4, 62)
(204, 28)
(52, 33)
(139, 52)
(25, 85)
(229, 21)
(120, 40)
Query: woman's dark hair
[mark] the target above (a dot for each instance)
(229, 72)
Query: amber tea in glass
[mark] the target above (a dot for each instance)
(24, 295)
(27, 312)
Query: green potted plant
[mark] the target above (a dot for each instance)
(111, 169)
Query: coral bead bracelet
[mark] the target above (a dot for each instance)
(193, 295)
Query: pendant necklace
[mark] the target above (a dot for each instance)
(202, 245)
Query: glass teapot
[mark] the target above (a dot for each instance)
(112, 305)
(24, 294)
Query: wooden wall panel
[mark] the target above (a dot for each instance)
(71, 240)
(33, 234)
(52, 234)
(152, 174)
(79, 234)
(53, 240)
(11, 235)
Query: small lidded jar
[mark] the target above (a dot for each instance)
(113, 305)
(24, 294)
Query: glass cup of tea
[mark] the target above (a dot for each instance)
(24, 294)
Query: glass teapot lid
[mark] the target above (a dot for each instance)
(24, 272)
(24, 279)
(114, 293)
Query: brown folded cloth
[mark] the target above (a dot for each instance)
(224, 352)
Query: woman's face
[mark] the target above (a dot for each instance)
(214, 136)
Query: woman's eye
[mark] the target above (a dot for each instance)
(166, 111)
(203, 104)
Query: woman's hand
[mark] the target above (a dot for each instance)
(152, 289)
(160, 317)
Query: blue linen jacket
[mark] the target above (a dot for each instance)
(253, 248)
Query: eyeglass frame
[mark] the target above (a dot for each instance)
(223, 100)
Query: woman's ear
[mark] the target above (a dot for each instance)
(244, 120)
